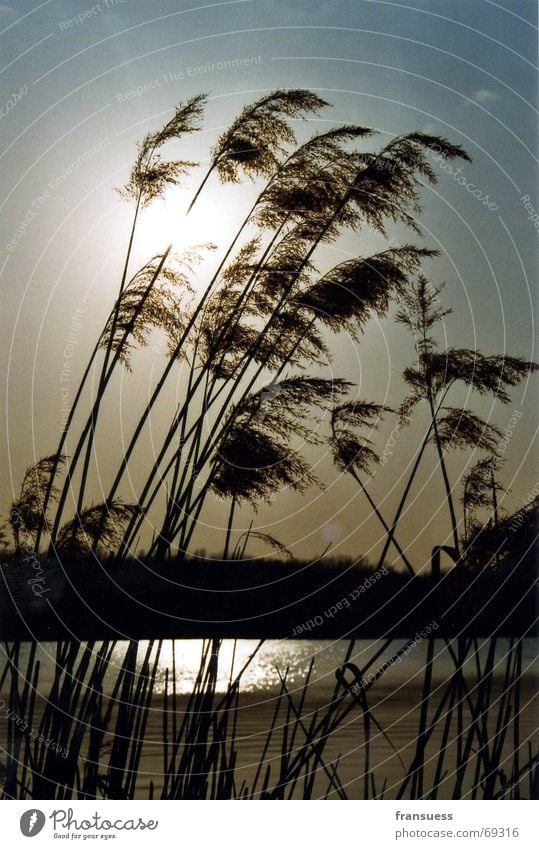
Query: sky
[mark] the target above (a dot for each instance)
(82, 82)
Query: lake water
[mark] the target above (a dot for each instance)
(294, 657)
(395, 700)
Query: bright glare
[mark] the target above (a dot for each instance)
(166, 221)
(261, 674)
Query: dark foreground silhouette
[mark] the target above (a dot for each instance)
(493, 593)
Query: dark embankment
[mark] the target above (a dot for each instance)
(48, 600)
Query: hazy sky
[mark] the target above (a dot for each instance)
(84, 79)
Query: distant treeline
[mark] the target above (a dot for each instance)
(43, 599)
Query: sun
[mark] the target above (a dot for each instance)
(166, 221)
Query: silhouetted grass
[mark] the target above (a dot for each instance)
(102, 728)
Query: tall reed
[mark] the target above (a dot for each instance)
(98, 714)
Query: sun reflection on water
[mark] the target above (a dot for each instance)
(292, 658)
(262, 674)
(277, 658)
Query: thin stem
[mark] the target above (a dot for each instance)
(103, 377)
(181, 443)
(389, 531)
(494, 499)
(63, 438)
(203, 183)
(447, 484)
(229, 529)
(165, 538)
(408, 486)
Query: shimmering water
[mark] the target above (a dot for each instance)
(395, 700)
(275, 658)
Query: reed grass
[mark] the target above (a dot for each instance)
(264, 310)
(99, 713)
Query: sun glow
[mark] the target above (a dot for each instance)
(167, 221)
